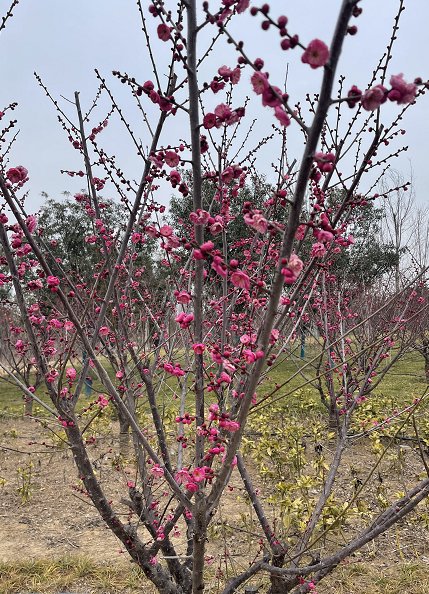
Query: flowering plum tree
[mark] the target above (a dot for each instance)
(185, 364)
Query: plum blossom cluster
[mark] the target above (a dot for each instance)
(169, 157)
(226, 10)
(17, 175)
(271, 96)
(191, 478)
(173, 369)
(225, 75)
(165, 103)
(256, 220)
(223, 116)
(316, 54)
(324, 162)
(215, 224)
(400, 92)
(218, 423)
(184, 319)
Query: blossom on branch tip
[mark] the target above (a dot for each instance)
(401, 91)
(102, 401)
(157, 471)
(17, 174)
(316, 54)
(175, 370)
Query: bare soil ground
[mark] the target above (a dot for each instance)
(45, 516)
(42, 511)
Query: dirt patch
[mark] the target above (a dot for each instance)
(45, 514)
(43, 511)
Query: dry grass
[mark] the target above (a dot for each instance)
(378, 578)
(77, 574)
(81, 575)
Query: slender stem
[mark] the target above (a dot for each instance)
(200, 523)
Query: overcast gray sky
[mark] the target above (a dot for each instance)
(64, 40)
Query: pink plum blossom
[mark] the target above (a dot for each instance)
(295, 264)
(163, 32)
(401, 91)
(292, 270)
(224, 378)
(71, 374)
(184, 320)
(172, 158)
(31, 222)
(229, 425)
(53, 283)
(17, 174)
(242, 5)
(198, 348)
(199, 474)
(102, 401)
(259, 82)
(256, 220)
(182, 297)
(209, 121)
(240, 279)
(223, 111)
(316, 54)
(318, 250)
(219, 267)
(166, 231)
(200, 217)
(271, 97)
(191, 487)
(157, 471)
(282, 116)
(373, 98)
